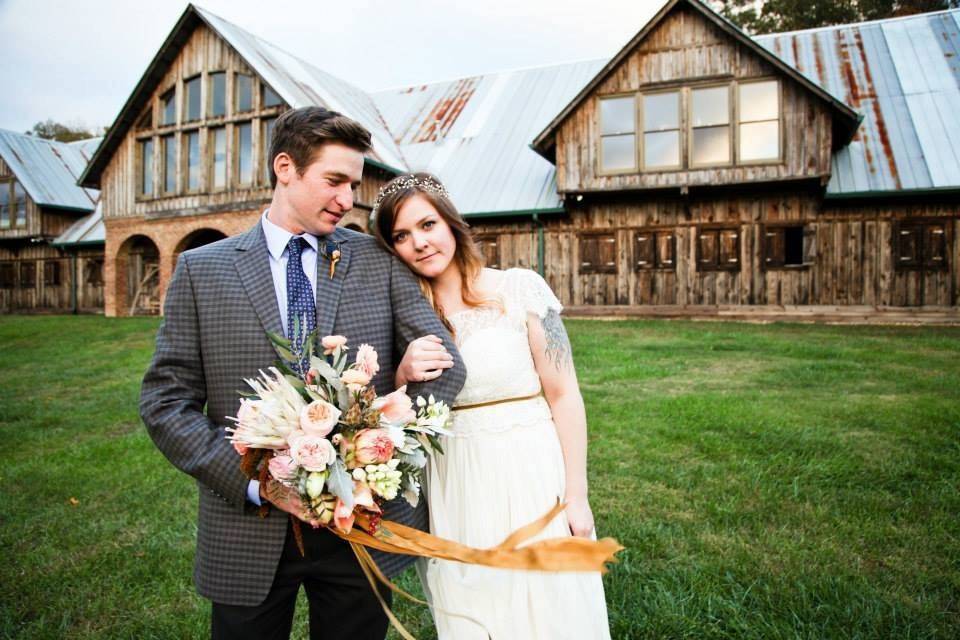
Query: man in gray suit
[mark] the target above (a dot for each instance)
(221, 300)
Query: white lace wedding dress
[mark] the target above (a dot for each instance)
(502, 469)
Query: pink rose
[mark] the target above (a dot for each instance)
(372, 446)
(283, 467)
(319, 418)
(332, 343)
(310, 451)
(355, 379)
(396, 406)
(367, 360)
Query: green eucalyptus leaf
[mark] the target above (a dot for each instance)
(340, 483)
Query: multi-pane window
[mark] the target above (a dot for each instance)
(243, 86)
(51, 273)
(20, 204)
(654, 249)
(5, 209)
(783, 246)
(921, 245)
(146, 167)
(661, 130)
(759, 121)
(191, 99)
(598, 253)
(244, 154)
(718, 249)
(168, 108)
(710, 126)
(8, 275)
(218, 159)
(270, 97)
(168, 145)
(28, 275)
(192, 160)
(266, 139)
(218, 94)
(618, 140)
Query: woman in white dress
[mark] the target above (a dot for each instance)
(519, 427)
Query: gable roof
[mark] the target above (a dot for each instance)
(845, 117)
(297, 82)
(88, 230)
(474, 134)
(48, 170)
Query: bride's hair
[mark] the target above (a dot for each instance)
(467, 255)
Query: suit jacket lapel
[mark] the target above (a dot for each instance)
(253, 265)
(328, 289)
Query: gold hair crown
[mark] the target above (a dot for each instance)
(411, 182)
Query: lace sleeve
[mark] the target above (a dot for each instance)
(532, 294)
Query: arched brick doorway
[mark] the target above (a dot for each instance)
(196, 239)
(138, 277)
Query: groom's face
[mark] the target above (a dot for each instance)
(324, 193)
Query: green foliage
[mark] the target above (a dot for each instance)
(51, 130)
(768, 481)
(774, 16)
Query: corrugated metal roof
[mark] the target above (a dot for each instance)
(87, 230)
(48, 170)
(903, 76)
(474, 133)
(301, 84)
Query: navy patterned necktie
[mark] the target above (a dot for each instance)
(301, 307)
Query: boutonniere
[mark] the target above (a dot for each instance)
(331, 251)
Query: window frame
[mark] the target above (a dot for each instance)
(691, 165)
(52, 272)
(186, 97)
(161, 100)
(780, 132)
(718, 229)
(27, 266)
(163, 192)
(185, 160)
(483, 240)
(7, 183)
(593, 269)
(768, 227)
(9, 268)
(208, 103)
(236, 94)
(138, 166)
(922, 263)
(681, 133)
(598, 127)
(235, 178)
(655, 234)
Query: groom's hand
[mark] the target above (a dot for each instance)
(286, 499)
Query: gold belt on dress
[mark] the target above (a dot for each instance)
(493, 402)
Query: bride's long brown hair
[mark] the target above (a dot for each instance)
(467, 256)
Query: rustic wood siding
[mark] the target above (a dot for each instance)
(685, 49)
(40, 295)
(848, 253)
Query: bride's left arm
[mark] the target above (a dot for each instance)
(553, 359)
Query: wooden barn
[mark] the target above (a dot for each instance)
(700, 171)
(42, 268)
(185, 162)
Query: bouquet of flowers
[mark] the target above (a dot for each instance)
(315, 424)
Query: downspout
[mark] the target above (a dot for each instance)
(540, 244)
(74, 299)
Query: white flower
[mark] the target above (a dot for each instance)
(315, 482)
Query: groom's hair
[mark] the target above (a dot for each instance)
(301, 133)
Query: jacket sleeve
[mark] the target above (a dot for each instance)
(415, 318)
(174, 393)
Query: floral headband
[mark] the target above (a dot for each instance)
(411, 182)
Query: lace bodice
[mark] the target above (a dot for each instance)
(496, 351)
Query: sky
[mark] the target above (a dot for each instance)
(77, 62)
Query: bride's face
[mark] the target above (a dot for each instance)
(422, 238)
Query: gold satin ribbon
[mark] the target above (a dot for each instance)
(555, 554)
(493, 402)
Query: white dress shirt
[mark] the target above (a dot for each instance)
(277, 239)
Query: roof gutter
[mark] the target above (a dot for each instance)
(903, 193)
(516, 212)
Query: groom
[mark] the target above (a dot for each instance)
(221, 301)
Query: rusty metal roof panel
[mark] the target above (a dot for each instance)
(301, 84)
(474, 133)
(48, 170)
(85, 231)
(903, 77)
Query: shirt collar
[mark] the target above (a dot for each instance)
(278, 237)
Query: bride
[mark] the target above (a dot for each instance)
(519, 427)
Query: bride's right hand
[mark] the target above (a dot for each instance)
(424, 360)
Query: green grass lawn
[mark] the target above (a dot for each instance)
(768, 481)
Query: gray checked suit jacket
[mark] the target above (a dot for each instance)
(219, 305)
